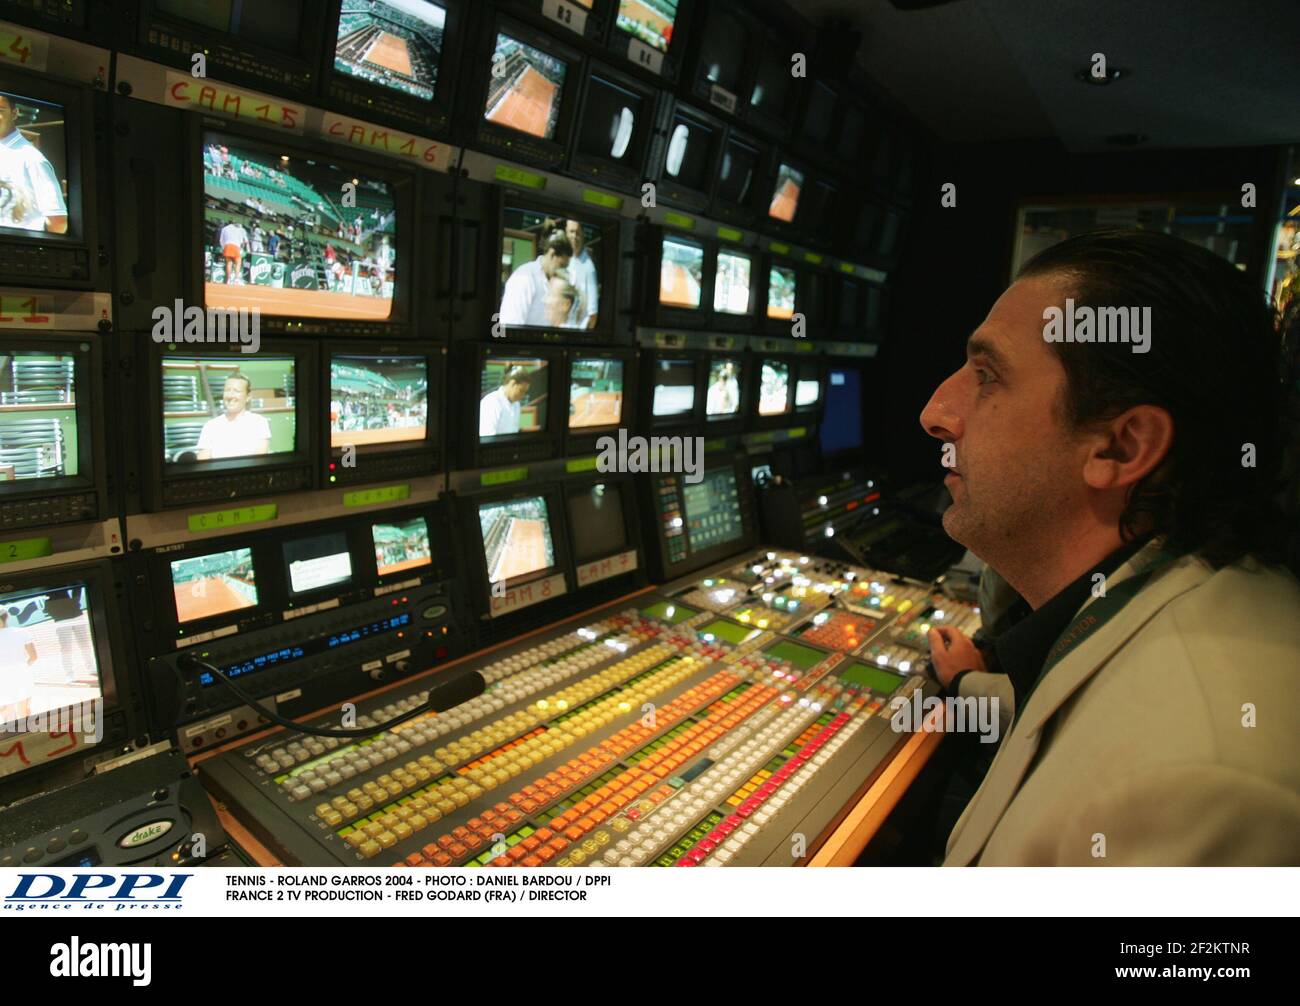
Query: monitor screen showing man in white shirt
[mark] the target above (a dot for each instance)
(31, 194)
(523, 301)
(499, 411)
(237, 432)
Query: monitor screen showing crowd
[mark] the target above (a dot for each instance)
(395, 44)
(549, 271)
(650, 21)
(401, 545)
(220, 407)
(781, 283)
(378, 400)
(295, 236)
(513, 396)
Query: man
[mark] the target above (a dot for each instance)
(237, 432)
(17, 682)
(498, 412)
(582, 273)
(233, 240)
(724, 393)
(1125, 497)
(31, 197)
(523, 302)
(561, 301)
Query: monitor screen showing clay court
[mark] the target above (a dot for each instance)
(649, 21)
(295, 235)
(395, 44)
(525, 88)
(516, 539)
(595, 393)
(207, 586)
(681, 271)
(378, 400)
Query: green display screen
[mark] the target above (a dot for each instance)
(879, 680)
(803, 657)
(729, 631)
(667, 611)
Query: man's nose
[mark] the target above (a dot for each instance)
(940, 418)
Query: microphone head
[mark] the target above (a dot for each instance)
(461, 688)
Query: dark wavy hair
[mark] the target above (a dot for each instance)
(1213, 364)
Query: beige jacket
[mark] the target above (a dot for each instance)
(1135, 749)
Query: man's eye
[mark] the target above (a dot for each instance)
(983, 376)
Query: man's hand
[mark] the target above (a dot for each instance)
(952, 652)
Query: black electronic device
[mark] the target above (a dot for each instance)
(694, 518)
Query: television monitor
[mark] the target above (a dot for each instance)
(681, 273)
(317, 562)
(383, 410)
(49, 233)
(782, 291)
(821, 216)
(516, 405)
(513, 396)
(841, 426)
(773, 95)
(226, 424)
(586, 19)
(527, 104)
(52, 421)
(554, 271)
(774, 390)
(597, 520)
(401, 545)
(518, 545)
(725, 51)
(396, 60)
(712, 506)
(59, 652)
(851, 142)
(673, 389)
(819, 113)
(786, 192)
(850, 308)
(618, 118)
(736, 195)
(272, 46)
(297, 235)
(808, 386)
(649, 34)
(689, 157)
(724, 390)
(733, 285)
(214, 585)
(595, 392)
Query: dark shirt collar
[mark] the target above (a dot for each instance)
(1023, 647)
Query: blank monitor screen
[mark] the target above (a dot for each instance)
(674, 388)
(401, 545)
(275, 25)
(317, 562)
(279, 237)
(513, 396)
(47, 654)
(38, 416)
(395, 44)
(516, 538)
(220, 407)
(595, 393)
(841, 426)
(596, 516)
(681, 271)
(525, 88)
(206, 586)
(736, 174)
(610, 121)
(378, 400)
(33, 166)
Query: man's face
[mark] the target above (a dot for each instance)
(235, 396)
(8, 118)
(516, 390)
(573, 231)
(553, 262)
(1016, 467)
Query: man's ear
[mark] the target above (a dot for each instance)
(1130, 446)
